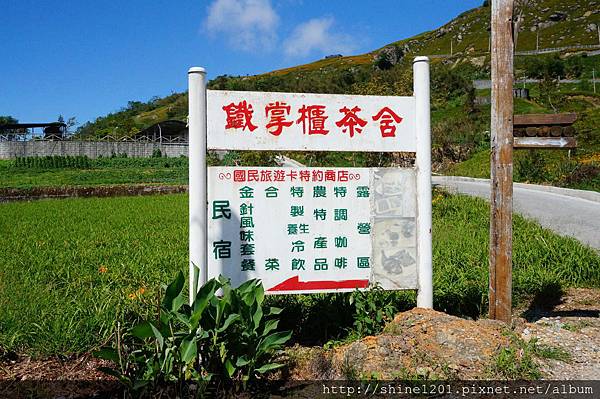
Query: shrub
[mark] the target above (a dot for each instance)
(373, 308)
(532, 167)
(230, 338)
(449, 84)
(53, 162)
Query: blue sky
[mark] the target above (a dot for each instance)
(86, 58)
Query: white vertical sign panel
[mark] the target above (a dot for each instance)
(394, 238)
(313, 229)
(239, 120)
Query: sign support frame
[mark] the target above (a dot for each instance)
(198, 207)
(421, 91)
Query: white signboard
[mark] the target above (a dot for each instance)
(240, 120)
(303, 230)
(253, 223)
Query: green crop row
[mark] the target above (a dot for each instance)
(53, 162)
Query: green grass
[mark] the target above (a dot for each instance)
(103, 171)
(542, 166)
(523, 106)
(542, 260)
(56, 299)
(93, 177)
(477, 165)
(521, 359)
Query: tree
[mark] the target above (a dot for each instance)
(70, 122)
(449, 83)
(548, 70)
(11, 133)
(520, 6)
(7, 119)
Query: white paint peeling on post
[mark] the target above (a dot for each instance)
(545, 142)
(197, 179)
(423, 165)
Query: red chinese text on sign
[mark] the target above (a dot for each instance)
(239, 116)
(252, 175)
(239, 175)
(388, 118)
(313, 118)
(276, 113)
(351, 122)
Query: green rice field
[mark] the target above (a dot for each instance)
(73, 270)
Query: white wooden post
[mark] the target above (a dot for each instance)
(423, 165)
(197, 179)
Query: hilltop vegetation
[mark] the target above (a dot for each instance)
(137, 116)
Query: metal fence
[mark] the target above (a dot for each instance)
(92, 149)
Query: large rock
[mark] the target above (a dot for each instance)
(389, 56)
(557, 16)
(427, 343)
(420, 342)
(547, 24)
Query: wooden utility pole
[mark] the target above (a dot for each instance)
(500, 288)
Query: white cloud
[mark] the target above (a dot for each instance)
(316, 35)
(249, 25)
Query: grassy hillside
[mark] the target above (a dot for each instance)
(137, 116)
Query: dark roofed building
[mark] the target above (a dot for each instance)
(20, 131)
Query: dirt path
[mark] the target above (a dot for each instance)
(571, 324)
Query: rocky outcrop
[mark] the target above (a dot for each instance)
(417, 343)
(388, 56)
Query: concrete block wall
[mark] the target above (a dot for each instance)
(92, 149)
